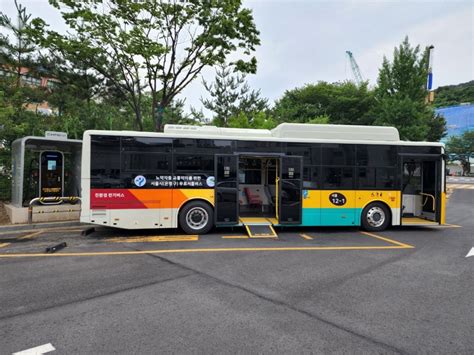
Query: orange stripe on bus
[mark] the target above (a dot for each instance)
(170, 198)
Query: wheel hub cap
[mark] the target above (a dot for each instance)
(197, 218)
(376, 217)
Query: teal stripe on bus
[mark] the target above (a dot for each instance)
(331, 216)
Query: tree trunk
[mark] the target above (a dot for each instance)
(138, 118)
(159, 114)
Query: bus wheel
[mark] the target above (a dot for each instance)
(196, 217)
(375, 217)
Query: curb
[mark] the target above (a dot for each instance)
(20, 227)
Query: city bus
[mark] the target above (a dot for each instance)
(200, 177)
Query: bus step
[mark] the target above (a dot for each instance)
(260, 231)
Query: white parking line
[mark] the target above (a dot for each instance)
(42, 349)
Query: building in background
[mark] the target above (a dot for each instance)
(42, 81)
(459, 119)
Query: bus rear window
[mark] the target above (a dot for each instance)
(105, 162)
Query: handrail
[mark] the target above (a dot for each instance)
(277, 187)
(277, 202)
(434, 204)
(50, 201)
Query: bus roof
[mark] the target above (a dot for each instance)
(284, 132)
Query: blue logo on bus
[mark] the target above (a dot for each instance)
(139, 180)
(210, 181)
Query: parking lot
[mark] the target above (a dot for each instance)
(310, 290)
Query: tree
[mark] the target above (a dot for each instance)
(454, 94)
(463, 147)
(173, 115)
(340, 103)
(401, 96)
(154, 46)
(463, 144)
(16, 54)
(259, 120)
(230, 96)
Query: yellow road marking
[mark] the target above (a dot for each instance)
(49, 230)
(28, 236)
(211, 250)
(449, 226)
(65, 230)
(305, 236)
(18, 232)
(387, 240)
(154, 239)
(31, 235)
(235, 237)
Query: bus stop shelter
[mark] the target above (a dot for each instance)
(46, 175)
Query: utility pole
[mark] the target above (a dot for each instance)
(429, 81)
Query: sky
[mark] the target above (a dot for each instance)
(304, 41)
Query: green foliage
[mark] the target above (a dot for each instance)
(20, 52)
(463, 144)
(173, 114)
(15, 97)
(231, 95)
(452, 95)
(170, 41)
(408, 116)
(323, 119)
(341, 103)
(259, 120)
(401, 96)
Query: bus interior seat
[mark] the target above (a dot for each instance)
(252, 198)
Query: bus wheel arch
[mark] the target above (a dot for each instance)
(376, 216)
(196, 216)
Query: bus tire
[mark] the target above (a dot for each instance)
(375, 217)
(196, 217)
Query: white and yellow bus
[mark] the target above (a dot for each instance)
(293, 175)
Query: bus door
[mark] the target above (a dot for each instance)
(421, 188)
(226, 192)
(289, 200)
(51, 174)
(430, 191)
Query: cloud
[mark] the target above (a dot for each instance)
(305, 41)
(452, 36)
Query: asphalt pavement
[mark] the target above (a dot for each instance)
(405, 290)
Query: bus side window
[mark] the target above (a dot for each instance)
(337, 177)
(376, 155)
(147, 156)
(338, 154)
(311, 177)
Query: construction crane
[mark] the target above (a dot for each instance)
(355, 69)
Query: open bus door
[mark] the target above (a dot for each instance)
(289, 184)
(226, 192)
(421, 189)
